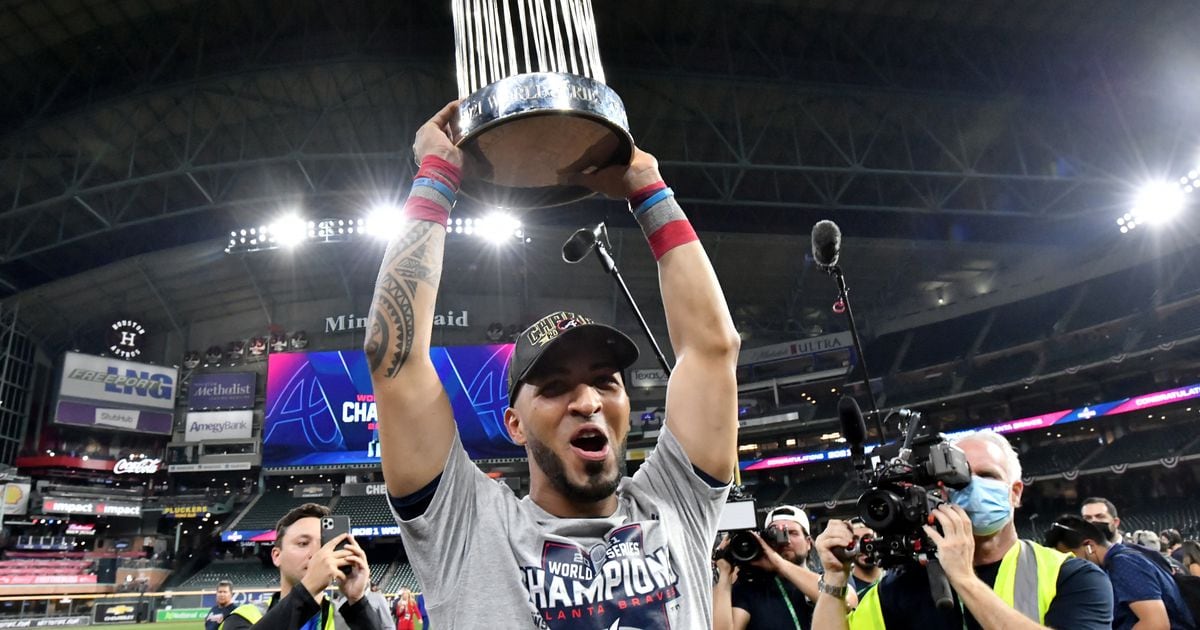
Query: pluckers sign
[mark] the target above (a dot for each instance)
(350, 322)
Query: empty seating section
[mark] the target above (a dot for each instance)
(1185, 518)
(1115, 296)
(1146, 445)
(27, 567)
(377, 572)
(1026, 320)
(943, 341)
(1056, 458)
(815, 491)
(403, 577)
(1001, 370)
(1085, 348)
(1180, 323)
(882, 351)
(368, 510)
(244, 575)
(270, 508)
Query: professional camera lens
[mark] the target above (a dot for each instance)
(743, 547)
(879, 509)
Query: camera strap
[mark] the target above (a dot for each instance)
(788, 600)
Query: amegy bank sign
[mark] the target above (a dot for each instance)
(351, 322)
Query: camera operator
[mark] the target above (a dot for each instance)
(777, 589)
(998, 581)
(865, 573)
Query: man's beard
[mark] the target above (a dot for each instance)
(597, 488)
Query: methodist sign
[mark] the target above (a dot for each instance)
(222, 390)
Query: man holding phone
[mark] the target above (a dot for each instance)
(307, 567)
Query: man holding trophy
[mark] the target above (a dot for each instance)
(587, 548)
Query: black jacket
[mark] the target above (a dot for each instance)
(293, 611)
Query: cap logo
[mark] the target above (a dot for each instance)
(550, 327)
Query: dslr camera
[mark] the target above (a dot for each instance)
(740, 521)
(906, 483)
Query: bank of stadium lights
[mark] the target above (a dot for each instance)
(1157, 203)
(382, 223)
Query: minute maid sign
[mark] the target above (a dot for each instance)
(350, 321)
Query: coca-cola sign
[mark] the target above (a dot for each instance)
(143, 466)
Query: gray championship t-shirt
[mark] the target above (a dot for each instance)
(486, 559)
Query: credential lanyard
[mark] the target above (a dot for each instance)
(788, 600)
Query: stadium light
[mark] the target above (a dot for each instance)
(1155, 204)
(384, 221)
(288, 231)
(498, 227)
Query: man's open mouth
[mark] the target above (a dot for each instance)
(590, 443)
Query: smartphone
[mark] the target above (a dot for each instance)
(334, 526)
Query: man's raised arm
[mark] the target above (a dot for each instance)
(416, 423)
(702, 391)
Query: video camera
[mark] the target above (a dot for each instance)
(740, 521)
(904, 488)
(906, 481)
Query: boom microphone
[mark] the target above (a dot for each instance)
(854, 428)
(826, 243)
(581, 243)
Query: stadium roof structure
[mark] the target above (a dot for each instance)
(961, 138)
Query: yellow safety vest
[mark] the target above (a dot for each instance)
(1027, 581)
(252, 613)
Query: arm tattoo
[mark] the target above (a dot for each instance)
(409, 262)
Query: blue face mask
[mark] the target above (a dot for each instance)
(986, 502)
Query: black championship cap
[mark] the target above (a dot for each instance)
(552, 330)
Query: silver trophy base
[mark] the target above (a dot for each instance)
(525, 136)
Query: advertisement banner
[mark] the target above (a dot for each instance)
(121, 613)
(39, 578)
(16, 498)
(373, 531)
(129, 384)
(90, 415)
(213, 467)
(218, 425)
(208, 600)
(182, 614)
(46, 622)
(225, 390)
(313, 491)
(648, 377)
(364, 489)
(800, 347)
(320, 407)
(248, 535)
(186, 511)
(59, 505)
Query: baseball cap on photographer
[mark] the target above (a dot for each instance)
(789, 513)
(556, 329)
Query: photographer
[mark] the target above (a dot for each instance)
(776, 590)
(998, 581)
(865, 572)
(306, 570)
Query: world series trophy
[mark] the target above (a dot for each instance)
(534, 106)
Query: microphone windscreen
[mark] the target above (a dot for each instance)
(578, 246)
(826, 243)
(854, 428)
